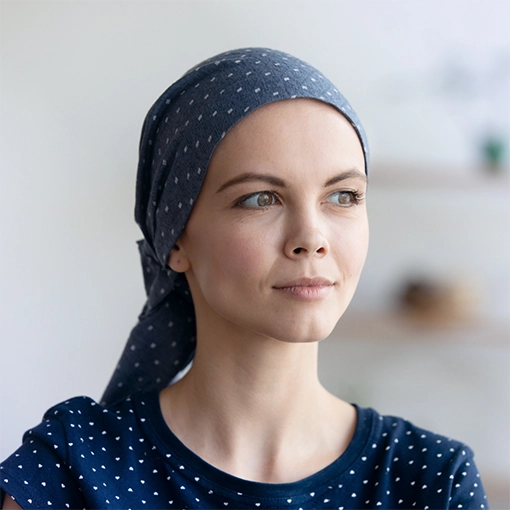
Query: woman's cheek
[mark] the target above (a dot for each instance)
(350, 248)
(359, 247)
(243, 254)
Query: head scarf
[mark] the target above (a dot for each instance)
(179, 135)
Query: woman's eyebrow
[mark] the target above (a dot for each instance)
(348, 174)
(250, 176)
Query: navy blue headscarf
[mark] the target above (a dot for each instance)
(178, 138)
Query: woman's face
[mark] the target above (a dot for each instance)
(278, 236)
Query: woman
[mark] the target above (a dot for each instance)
(253, 262)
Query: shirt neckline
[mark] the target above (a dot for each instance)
(147, 405)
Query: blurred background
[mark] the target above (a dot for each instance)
(427, 335)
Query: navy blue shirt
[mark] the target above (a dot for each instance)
(86, 456)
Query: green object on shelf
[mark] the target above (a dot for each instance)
(493, 152)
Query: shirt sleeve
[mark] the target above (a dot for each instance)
(38, 475)
(466, 490)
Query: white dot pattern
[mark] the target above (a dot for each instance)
(85, 456)
(179, 136)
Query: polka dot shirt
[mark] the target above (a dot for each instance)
(86, 456)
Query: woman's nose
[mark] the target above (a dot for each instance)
(306, 238)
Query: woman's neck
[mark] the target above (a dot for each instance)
(256, 409)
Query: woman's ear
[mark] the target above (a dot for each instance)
(177, 260)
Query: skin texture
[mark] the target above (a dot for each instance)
(272, 252)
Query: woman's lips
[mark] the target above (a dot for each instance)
(307, 289)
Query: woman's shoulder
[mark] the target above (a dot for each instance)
(78, 448)
(81, 433)
(82, 415)
(412, 452)
(401, 430)
(81, 408)
(82, 423)
(407, 464)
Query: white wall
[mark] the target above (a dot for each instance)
(77, 78)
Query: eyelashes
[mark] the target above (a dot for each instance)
(265, 199)
(345, 198)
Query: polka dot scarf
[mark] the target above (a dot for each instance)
(178, 138)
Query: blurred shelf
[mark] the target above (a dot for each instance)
(403, 327)
(386, 174)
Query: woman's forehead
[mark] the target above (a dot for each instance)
(271, 113)
(295, 132)
(290, 116)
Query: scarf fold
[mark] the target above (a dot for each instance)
(179, 135)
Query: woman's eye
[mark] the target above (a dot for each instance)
(260, 199)
(343, 198)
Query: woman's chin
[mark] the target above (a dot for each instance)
(302, 333)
